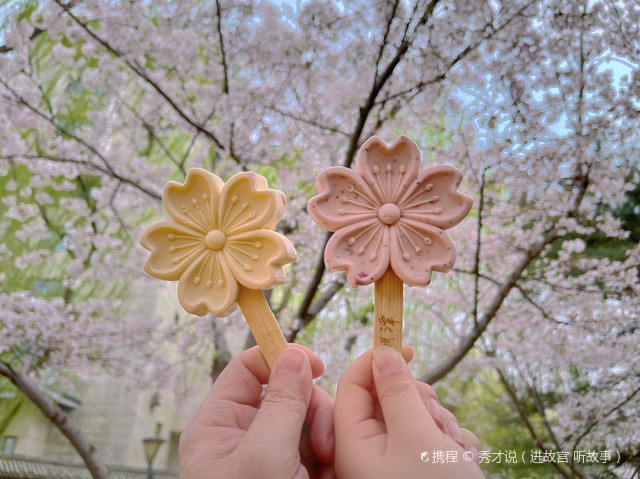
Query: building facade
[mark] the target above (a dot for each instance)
(115, 413)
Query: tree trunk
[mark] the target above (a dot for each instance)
(58, 417)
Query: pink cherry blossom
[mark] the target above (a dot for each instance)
(535, 102)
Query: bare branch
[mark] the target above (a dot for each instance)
(365, 110)
(488, 32)
(313, 310)
(150, 130)
(492, 309)
(35, 34)
(59, 418)
(140, 71)
(595, 422)
(222, 354)
(476, 258)
(519, 406)
(383, 44)
(86, 164)
(225, 85)
(308, 121)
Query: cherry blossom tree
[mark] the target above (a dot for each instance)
(535, 101)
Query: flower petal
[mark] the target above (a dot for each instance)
(433, 197)
(388, 170)
(343, 199)
(417, 249)
(194, 203)
(257, 257)
(172, 248)
(247, 204)
(360, 250)
(208, 285)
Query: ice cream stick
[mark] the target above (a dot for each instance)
(262, 323)
(387, 311)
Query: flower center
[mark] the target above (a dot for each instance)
(389, 213)
(215, 239)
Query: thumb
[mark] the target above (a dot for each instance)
(278, 422)
(402, 407)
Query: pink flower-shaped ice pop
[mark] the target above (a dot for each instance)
(389, 218)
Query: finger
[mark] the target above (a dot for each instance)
(402, 407)
(320, 420)
(306, 452)
(310, 468)
(407, 353)
(358, 391)
(444, 418)
(317, 366)
(450, 425)
(241, 381)
(354, 402)
(238, 386)
(430, 401)
(327, 471)
(277, 426)
(471, 443)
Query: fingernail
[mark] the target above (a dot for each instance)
(434, 408)
(474, 451)
(454, 430)
(386, 360)
(290, 360)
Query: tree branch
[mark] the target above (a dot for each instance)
(222, 353)
(150, 130)
(107, 169)
(35, 34)
(503, 291)
(138, 70)
(91, 166)
(548, 317)
(59, 418)
(525, 419)
(314, 309)
(383, 44)
(225, 85)
(330, 129)
(365, 110)
(476, 258)
(581, 181)
(489, 31)
(595, 422)
(537, 401)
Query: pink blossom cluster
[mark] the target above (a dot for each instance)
(536, 102)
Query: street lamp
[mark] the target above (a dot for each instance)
(151, 447)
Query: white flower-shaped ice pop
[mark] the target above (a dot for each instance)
(220, 247)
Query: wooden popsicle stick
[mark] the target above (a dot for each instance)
(387, 311)
(262, 323)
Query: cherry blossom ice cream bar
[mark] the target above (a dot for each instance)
(389, 218)
(220, 247)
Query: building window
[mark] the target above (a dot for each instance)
(8, 444)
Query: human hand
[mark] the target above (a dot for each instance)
(238, 432)
(385, 421)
